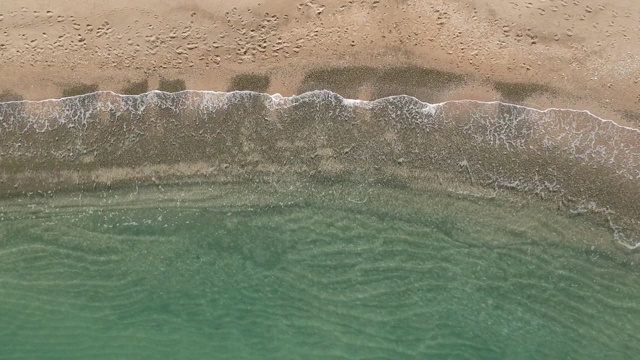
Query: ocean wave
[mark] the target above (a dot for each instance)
(574, 158)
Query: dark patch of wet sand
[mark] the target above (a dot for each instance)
(172, 85)
(136, 87)
(250, 82)
(79, 89)
(423, 83)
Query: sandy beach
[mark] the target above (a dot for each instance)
(553, 53)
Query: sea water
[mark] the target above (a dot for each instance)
(243, 226)
(341, 272)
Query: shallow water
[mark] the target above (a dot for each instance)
(337, 271)
(102, 141)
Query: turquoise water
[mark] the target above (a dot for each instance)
(228, 273)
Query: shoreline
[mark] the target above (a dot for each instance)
(350, 100)
(368, 83)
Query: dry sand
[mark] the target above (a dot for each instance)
(541, 53)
